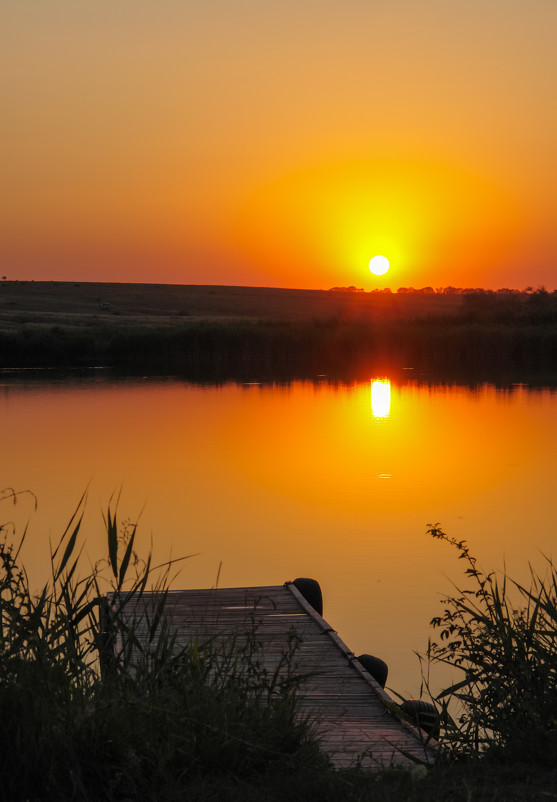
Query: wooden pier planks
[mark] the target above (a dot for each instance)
(351, 709)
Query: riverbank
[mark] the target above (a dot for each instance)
(83, 720)
(223, 333)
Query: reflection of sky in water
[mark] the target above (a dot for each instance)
(298, 480)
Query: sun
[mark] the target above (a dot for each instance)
(379, 265)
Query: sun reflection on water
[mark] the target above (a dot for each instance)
(381, 398)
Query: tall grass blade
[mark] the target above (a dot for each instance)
(77, 514)
(126, 558)
(112, 533)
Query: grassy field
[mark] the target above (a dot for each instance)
(211, 333)
(68, 303)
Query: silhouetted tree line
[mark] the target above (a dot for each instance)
(536, 308)
(471, 291)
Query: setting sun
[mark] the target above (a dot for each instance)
(379, 265)
(289, 179)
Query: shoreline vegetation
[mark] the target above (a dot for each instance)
(84, 720)
(213, 333)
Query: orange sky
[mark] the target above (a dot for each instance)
(280, 143)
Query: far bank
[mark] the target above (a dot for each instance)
(222, 333)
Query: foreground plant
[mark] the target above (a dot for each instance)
(89, 711)
(502, 639)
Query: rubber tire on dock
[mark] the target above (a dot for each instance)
(311, 591)
(423, 714)
(378, 669)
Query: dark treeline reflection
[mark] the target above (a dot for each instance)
(503, 381)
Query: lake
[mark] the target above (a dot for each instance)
(275, 481)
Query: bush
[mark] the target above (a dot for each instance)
(502, 638)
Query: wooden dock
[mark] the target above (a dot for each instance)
(353, 713)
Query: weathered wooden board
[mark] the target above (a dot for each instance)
(351, 709)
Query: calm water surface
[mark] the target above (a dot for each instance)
(306, 479)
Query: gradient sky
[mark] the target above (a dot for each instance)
(268, 143)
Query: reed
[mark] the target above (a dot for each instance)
(81, 720)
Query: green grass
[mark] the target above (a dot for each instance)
(81, 720)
